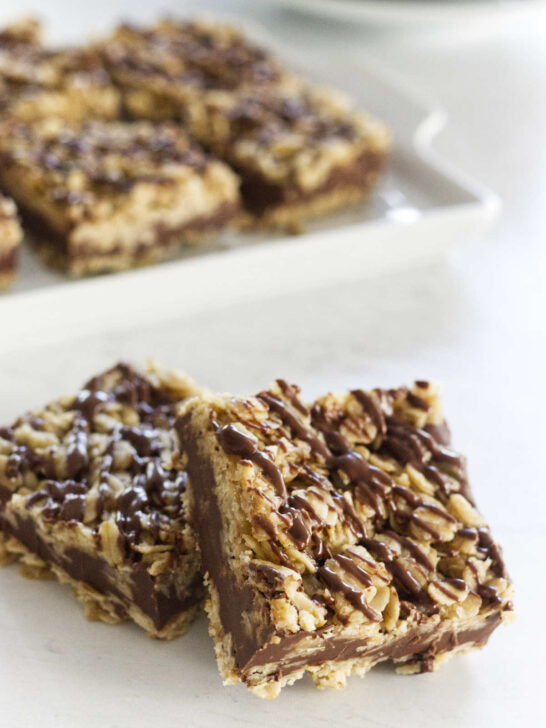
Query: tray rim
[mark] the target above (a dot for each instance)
(398, 12)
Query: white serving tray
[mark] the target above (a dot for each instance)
(422, 207)
(421, 13)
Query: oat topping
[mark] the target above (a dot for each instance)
(105, 455)
(86, 162)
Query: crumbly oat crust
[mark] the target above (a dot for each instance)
(345, 533)
(90, 493)
(109, 195)
(10, 239)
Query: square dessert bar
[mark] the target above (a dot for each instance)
(106, 195)
(10, 239)
(165, 69)
(36, 81)
(336, 536)
(299, 151)
(89, 492)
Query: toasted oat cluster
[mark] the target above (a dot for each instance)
(89, 491)
(10, 239)
(36, 81)
(345, 532)
(299, 151)
(107, 195)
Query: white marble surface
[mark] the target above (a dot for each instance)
(476, 324)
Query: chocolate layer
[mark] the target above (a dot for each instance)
(165, 237)
(416, 645)
(260, 195)
(95, 571)
(236, 601)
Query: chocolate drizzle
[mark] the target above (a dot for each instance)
(63, 501)
(412, 548)
(291, 393)
(77, 459)
(354, 569)
(354, 596)
(235, 442)
(292, 420)
(490, 548)
(372, 409)
(88, 401)
(299, 529)
(394, 506)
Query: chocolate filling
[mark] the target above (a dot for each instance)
(251, 637)
(165, 237)
(161, 607)
(237, 602)
(95, 571)
(415, 645)
(260, 195)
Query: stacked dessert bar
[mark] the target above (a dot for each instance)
(331, 536)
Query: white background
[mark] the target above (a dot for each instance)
(476, 324)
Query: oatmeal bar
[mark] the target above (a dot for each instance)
(36, 81)
(299, 150)
(108, 195)
(90, 494)
(166, 69)
(10, 239)
(337, 536)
